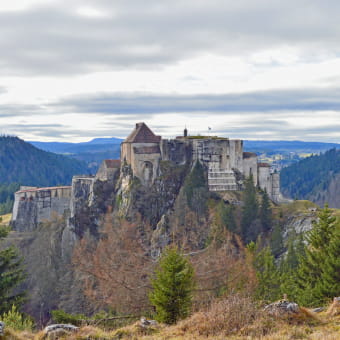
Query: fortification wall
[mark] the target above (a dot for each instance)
(81, 194)
(178, 151)
(106, 174)
(250, 168)
(276, 194)
(236, 154)
(35, 205)
(265, 179)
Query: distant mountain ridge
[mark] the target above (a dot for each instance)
(105, 144)
(94, 145)
(316, 178)
(288, 146)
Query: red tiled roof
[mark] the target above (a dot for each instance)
(42, 189)
(112, 163)
(249, 154)
(142, 134)
(263, 165)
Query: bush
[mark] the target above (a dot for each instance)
(16, 320)
(59, 316)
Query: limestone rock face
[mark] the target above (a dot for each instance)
(299, 224)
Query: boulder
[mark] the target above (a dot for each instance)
(2, 328)
(282, 308)
(147, 323)
(57, 330)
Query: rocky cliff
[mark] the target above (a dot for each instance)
(115, 229)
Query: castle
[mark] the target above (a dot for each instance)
(224, 160)
(226, 163)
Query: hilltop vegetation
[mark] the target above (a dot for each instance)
(314, 178)
(23, 164)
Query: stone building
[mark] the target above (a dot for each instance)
(226, 163)
(141, 150)
(34, 205)
(108, 169)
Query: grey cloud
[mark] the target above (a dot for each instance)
(60, 131)
(54, 40)
(12, 110)
(293, 100)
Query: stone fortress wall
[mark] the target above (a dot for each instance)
(34, 205)
(226, 163)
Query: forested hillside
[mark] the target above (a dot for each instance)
(22, 163)
(315, 178)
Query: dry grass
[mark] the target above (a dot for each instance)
(334, 308)
(223, 317)
(234, 318)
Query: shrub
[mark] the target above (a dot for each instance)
(16, 320)
(59, 316)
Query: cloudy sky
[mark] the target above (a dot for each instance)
(72, 70)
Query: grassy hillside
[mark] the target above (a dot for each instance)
(23, 164)
(313, 178)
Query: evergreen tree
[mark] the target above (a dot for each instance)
(329, 284)
(265, 214)
(267, 274)
(249, 225)
(289, 265)
(309, 274)
(11, 274)
(276, 241)
(172, 287)
(226, 214)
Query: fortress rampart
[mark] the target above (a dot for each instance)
(33, 205)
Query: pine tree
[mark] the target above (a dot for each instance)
(265, 214)
(276, 241)
(172, 287)
(11, 274)
(309, 273)
(267, 274)
(226, 214)
(329, 284)
(288, 267)
(249, 227)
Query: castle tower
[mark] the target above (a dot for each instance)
(141, 150)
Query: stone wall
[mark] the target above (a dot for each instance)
(35, 205)
(177, 151)
(144, 160)
(250, 166)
